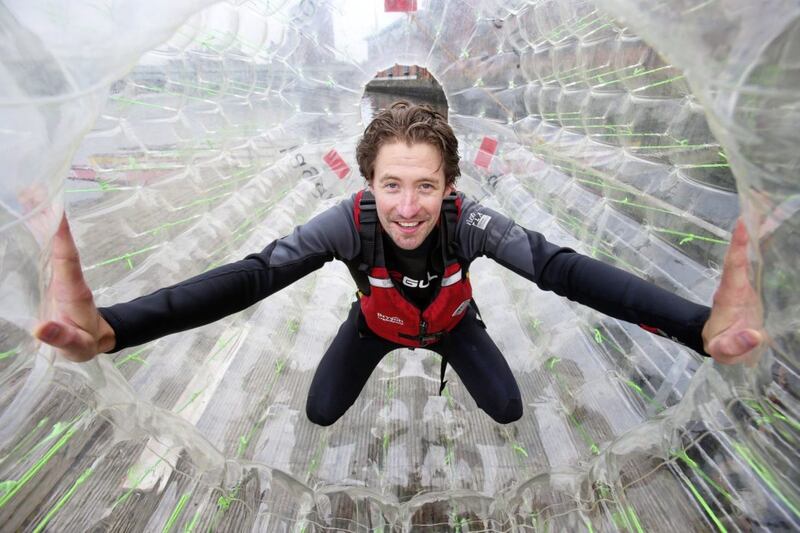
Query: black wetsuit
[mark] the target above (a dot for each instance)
(355, 351)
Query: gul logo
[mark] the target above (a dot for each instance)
(390, 319)
(479, 220)
(422, 284)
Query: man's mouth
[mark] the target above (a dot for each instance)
(408, 227)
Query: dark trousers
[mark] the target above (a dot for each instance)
(356, 351)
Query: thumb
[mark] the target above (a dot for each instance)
(75, 344)
(727, 347)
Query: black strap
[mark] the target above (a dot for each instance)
(442, 382)
(368, 231)
(449, 221)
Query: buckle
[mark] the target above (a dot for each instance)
(429, 339)
(423, 340)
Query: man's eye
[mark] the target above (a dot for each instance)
(427, 186)
(390, 186)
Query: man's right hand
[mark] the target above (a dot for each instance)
(78, 331)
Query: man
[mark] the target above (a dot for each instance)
(408, 241)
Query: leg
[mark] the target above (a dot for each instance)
(482, 368)
(343, 370)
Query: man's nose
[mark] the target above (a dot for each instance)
(409, 204)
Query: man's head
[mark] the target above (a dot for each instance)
(409, 156)
(409, 123)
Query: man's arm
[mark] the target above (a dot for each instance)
(208, 296)
(600, 286)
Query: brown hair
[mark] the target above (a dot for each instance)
(412, 123)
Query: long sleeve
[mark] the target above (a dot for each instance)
(580, 278)
(233, 287)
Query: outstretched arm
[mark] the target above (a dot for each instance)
(727, 334)
(202, 299)
(735, 327)
(78, 330)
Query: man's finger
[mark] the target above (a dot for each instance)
(73, 343)
(734, 270)
(67, 273)
(728, 348)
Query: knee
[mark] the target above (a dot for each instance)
(320, 416)
(510, 413)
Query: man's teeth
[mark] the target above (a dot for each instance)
(408, 224)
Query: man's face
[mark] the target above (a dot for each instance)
(409, 187)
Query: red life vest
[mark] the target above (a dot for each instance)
(387, 313)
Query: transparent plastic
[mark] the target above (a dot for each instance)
(181, 135)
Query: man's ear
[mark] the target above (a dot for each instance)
(369, 186)
(450, 189)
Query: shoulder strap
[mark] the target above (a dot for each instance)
(366, 216)
(450, 213)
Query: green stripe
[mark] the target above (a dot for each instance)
(170, 224)
(176, 513)
(706, 507)
(56, 431)
(194, 396)
(132, 357)
(650, 400)
(635, 74)
(203, 201)
(136, 484)
(38, 466)
(29, 436)
(672, 146)
(126, 257)
(689, 236)
(696, 467)
(670, 80)
(635, 519)
(765, 475)
(189, 528)
(10, 353)
(96, 189)
(63, 500)
(706, 165)
(600, 338)
(592, 444)
(139, 102)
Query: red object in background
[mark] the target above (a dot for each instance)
(399, 6)
(486, 152)
(83, 173)
(337, 164)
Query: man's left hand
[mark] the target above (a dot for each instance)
(735, 329)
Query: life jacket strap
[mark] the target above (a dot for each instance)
(442, 382)
(424, 339)
(368, 230)
(450, 213)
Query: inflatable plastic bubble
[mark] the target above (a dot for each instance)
(181, 135)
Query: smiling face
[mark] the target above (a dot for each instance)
(409, 187)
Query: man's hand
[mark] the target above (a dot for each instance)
(735, 327)
(79, 332)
